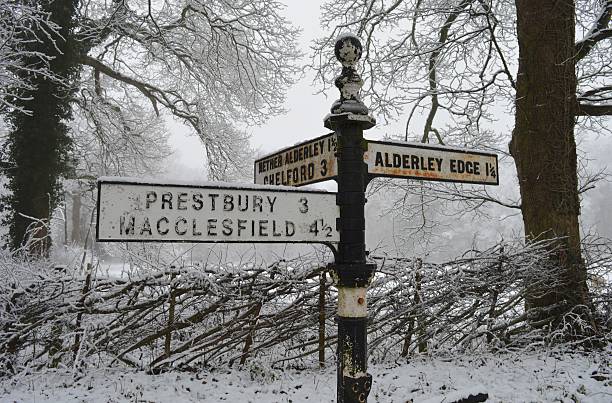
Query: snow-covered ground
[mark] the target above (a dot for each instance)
(541, 377)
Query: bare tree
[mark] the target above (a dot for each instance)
(213, 65)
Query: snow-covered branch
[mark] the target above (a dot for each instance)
(19, 24)
(597, 33)
(213, 65)
(168, 311)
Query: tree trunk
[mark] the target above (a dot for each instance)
(39, 145)
(543, 144)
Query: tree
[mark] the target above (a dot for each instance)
(215, 65)
(453, 61)
(38, 143)
(19, 25)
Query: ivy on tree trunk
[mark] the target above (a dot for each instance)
(38, 143)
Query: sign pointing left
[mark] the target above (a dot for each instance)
(129, 210)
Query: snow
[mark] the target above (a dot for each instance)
(430, 146)
(211, 184)
(509, 377)
(346, 35)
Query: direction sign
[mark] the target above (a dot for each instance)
(130, 210)
(434, 163)
(315, 161)
(309, 162)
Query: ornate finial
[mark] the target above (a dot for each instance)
(348, 52)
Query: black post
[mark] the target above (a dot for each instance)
(349, 118)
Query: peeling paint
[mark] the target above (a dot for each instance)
(349, 305)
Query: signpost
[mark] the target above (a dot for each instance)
(132, 211)
(137, 211)
(352, 163)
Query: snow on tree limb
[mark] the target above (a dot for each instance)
(598, 32)
(16, 29)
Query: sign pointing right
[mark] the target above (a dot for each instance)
(315, 161)
(427, 162)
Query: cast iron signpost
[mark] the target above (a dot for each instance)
(349, 118)
(353, 163)
(130, 210)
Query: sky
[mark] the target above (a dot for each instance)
(304, 121)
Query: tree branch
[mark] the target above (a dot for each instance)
(592, 95)
(433, 61)
(599, 32)
(593, 110)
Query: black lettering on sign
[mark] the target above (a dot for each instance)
(257, 200)
(303, 205)
(166, 200)
(388, 162)
(467, 167)
(227, 227)
(430, 163)
(127, 229)
(379, 159)
(271, 201)
(241, 226)
(159, 228)
(263, 227)
(146, 227)
(294, 175)
(228, 202)
(406, 161)
(289, 228)
(151, 198)
(194, 228)
(178, 229)
(323, 167)
(246, 202)
(181, 201)
(311, 170)
(211, 228)
(397, 160)
(274, 232)
(213, 197)
(197, 201)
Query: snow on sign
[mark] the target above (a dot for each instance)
(427, 162)
(309, 162)
(130, 210)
